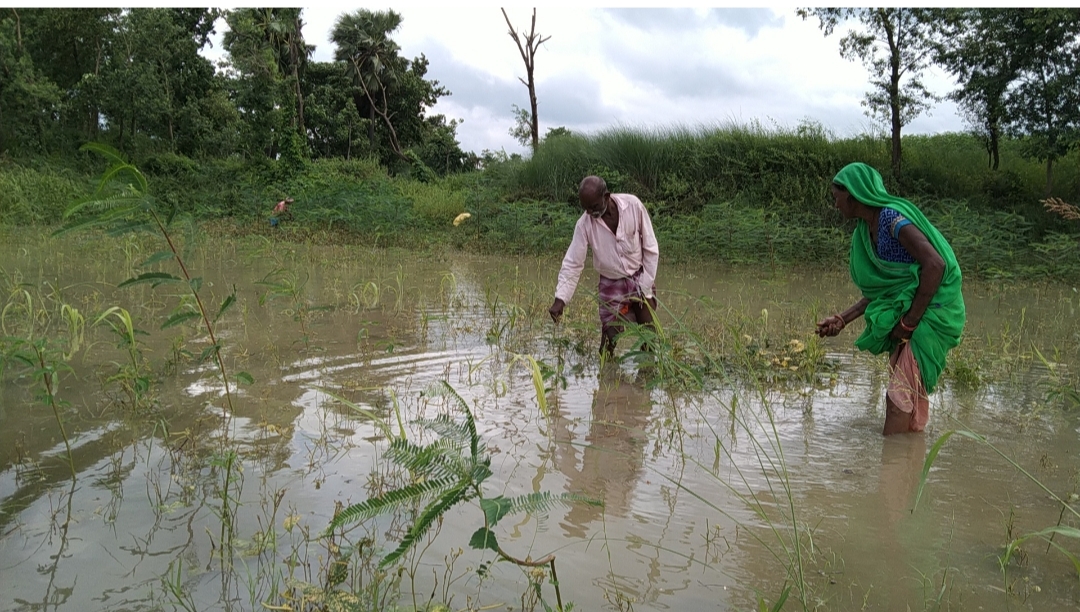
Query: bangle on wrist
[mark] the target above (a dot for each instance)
(906, 327)
(843, 323)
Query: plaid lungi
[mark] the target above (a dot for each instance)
(615, 296)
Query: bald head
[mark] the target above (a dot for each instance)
(591, 188)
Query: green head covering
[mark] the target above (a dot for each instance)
(890, 287)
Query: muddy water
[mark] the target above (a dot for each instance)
(699, 487)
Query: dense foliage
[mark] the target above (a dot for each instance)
(352, 141)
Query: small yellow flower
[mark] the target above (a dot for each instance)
(290, 521)
(460, 218)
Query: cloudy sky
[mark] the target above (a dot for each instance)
(634, 67)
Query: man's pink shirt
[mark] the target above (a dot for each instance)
(615, 255)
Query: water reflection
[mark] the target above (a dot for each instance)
(607, 464)
(901, 466)
(146, 497)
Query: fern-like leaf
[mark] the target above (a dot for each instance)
(436, 509)
(543, 501)
(446, 427)
(391, 501)
(438, 459)
(480, 471)
(470, 423)
(443, 389)
(100, 203)
(137, 184)
(105, 151)
(128, 227)
(464, 432)
(119, 165)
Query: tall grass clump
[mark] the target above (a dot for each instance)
(642, 155)
(556, 168)
(436, 202)
(31, 196)
(751, 193)
(707, 161)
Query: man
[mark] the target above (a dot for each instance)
(624, 251)
(281, 212)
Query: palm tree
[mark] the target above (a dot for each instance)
(282, 29)
(363, 43)
(273, 42)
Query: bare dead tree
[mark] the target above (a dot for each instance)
(528, 55)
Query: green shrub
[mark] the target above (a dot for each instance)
(31, 196)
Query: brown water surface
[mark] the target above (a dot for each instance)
(696, 511)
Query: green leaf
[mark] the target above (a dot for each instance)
(99, 219)
(123, 167)
(779, 605)
(495, 508)
(439, 459)
(129, 227)
(390, 501)
(446, 426)
(229, 301)
(104, 150)
(25, 359)
(423, 523)
(543, 501)
(480, 471)
(196, 284)
(245, 378)
(930, 457)
(484, 538)
(208, 352)
(155, 278)
(156, 257)
(179, 318)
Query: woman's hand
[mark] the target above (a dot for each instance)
(901, 332)
(830, 326)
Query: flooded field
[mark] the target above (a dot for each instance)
(744, 465)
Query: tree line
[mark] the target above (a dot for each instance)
(1017, 70)
(135, 78)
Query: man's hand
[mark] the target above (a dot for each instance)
(556, 310)
(651, 301)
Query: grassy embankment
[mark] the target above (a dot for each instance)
(730, 195)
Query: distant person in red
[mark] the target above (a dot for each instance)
(281, 212)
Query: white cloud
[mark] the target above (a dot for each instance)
(632, 66)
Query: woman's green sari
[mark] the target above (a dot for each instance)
(890, 287)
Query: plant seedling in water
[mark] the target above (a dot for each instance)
(123, 204)
(445, 473)
(284, 283)
(132, 376)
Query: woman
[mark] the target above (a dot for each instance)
(910, 283)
